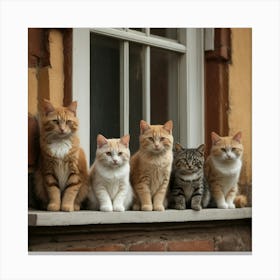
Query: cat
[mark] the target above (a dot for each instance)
(110, 188)
(222, 169)
(62, 173)
(188, 186)
(151, 166)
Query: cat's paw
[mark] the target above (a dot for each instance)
(76, 207)
(67, 207)
(106, 208)
(231, 205)
(53, 207)
(196, 207)
(180, 206)
(159, 208)
(147, 207)
(119, 208)
(222, 205)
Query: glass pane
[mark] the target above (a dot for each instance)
(164, 88)
(170, 33)
(135, 93)
(104, 89)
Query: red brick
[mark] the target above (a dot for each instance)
(148, 247)
(192, 246)
(102, 248)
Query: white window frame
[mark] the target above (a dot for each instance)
(191, 79)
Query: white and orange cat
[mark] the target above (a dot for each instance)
(110, 188)
(62, 173)
(222, 170)
(151, 166)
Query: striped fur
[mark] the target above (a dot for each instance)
(62, 175)
(188, 187)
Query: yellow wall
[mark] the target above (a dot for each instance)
(48, 82)
(240, 95)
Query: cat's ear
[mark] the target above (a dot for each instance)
(237, 137)
(215, 138)
(168, 126)
(73, 107)
(201, 149)
(144, 126)
(47, 106)
(178, 147)
(125, 140)
(101, 141)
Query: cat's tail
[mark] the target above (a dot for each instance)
(240, 201)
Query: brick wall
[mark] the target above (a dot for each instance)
(234, 235)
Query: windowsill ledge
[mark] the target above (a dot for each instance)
(85, 217)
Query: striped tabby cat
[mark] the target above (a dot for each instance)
(188, 187)
(62, 174)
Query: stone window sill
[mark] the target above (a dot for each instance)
(85, 217)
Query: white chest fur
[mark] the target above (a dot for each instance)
(60, 149)
(229, 173)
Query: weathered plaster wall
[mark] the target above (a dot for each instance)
(240, 95)
(48, 82)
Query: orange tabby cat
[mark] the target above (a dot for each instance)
(151, 166)
(62, 174)
(222, 169)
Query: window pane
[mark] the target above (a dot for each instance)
(135, 93)
(164, 88)
(104, 89)
(170, 33)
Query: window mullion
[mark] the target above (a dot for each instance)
(124, 88)
(146, 86)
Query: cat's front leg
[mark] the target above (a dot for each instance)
(196, 202)
(53, 193)
(158, 199)
(197, 196)
(219, 197)
(70, 193)
(144, 195)
(104, 199)
(230, 197)
(118, 202)
(178, 200)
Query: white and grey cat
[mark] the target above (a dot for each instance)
(110, 189)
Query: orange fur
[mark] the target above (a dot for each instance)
(222, 170)
(151, 166)
(61, 179)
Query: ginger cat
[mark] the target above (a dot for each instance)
(62, 173)
(222, 169)
(151, 166)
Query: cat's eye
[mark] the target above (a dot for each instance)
(68, 122)
(109, 154)
(233, 149)
(162, 139)
(151, 139)
(224, 150)
(120, 153)
(55, 121)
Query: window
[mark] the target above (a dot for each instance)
(123, 75)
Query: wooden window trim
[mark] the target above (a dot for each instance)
(217, 85)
